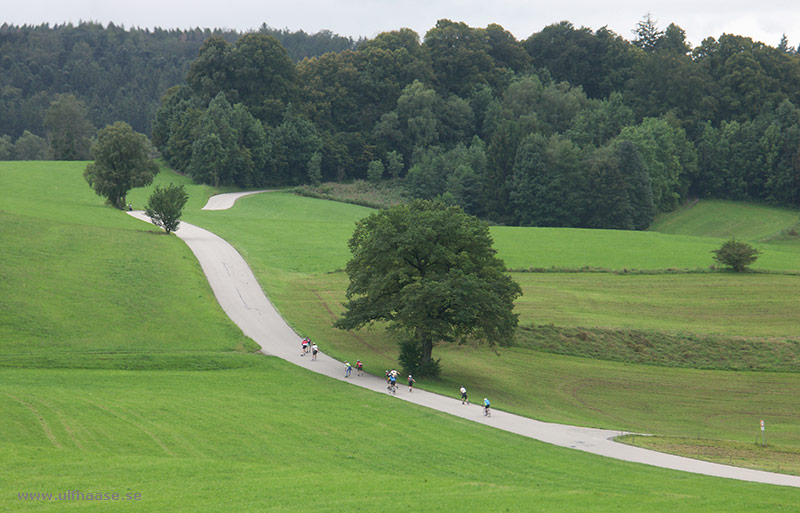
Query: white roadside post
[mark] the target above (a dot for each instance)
(763, 433)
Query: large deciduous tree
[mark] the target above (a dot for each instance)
(430, 272)
(121, 162)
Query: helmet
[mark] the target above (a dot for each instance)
(409, 375)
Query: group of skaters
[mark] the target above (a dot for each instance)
(391, 381)
(487, 406)
(348, 369)
(309, 346)
(391, 375)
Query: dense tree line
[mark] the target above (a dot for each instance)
(115, 73)
(570, 127)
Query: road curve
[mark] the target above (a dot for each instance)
(242, 298)
(226, 201)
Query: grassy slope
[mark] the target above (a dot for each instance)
(72, 277)
(258, 434)
(726, 219)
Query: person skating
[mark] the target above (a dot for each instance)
(314, 351)
(359, 367)
(411, 382)
(347, 369)
(464, 399)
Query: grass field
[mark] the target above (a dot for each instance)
(202, 426)
(275, 438)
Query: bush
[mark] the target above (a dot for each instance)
(737, 255)
(411, 361)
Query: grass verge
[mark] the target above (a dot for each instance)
(753, 455)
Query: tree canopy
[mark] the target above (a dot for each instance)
(121, 162)
(429, 270)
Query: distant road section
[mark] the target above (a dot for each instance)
(226, 201)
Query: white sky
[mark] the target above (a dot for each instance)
(699, 18)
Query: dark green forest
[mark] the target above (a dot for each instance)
(118, 74)
(569, 127)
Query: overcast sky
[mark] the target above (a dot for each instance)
(764, 21)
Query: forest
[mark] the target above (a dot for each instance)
(570, 127)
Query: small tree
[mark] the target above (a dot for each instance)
(736, 254)
(121, 162)
(315, 168)
(375, 171)
(165, 206)
(6, 148)
(394, 164)
(31, 147)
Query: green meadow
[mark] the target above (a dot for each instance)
(272, 437)
(120, 373)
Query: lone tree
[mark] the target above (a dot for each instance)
(165, 206)
(121, 162)
(430, 272)
(736, 254)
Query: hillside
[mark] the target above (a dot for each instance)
(197, 429)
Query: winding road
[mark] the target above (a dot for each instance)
(242, 298)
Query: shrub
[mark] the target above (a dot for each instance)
(411, 361)
(735, 254)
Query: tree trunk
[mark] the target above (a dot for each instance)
(426, 343)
